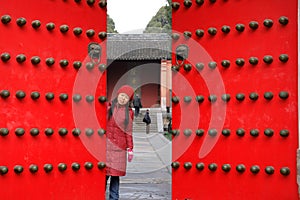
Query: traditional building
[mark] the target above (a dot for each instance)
(142, 61)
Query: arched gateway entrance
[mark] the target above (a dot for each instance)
(142, 61)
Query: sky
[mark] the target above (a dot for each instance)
(132, 16)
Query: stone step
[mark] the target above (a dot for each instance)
(140, 126)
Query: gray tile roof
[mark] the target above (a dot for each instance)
(148, 46)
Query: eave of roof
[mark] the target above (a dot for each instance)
(149, 46)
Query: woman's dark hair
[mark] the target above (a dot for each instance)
(112, 107)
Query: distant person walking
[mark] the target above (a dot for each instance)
(137, 104)
(147, 120)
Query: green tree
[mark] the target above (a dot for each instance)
(162, 21)
(111, 25)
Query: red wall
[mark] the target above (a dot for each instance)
(143, 76)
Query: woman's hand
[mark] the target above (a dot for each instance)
(130, 155)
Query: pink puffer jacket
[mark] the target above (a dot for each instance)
(118, 139)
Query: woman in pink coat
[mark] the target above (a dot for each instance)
(119, 139)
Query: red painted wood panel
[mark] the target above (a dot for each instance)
(213, 118)
(56, 114)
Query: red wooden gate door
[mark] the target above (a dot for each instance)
(235, 100)
(53, 93)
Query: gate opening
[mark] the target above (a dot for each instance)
(143, 61)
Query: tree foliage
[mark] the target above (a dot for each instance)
(111, 25)
(162, 21)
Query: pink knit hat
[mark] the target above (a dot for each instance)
(127, 90)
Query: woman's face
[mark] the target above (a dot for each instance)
(123, 99)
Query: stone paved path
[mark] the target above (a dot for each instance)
(149, 173)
